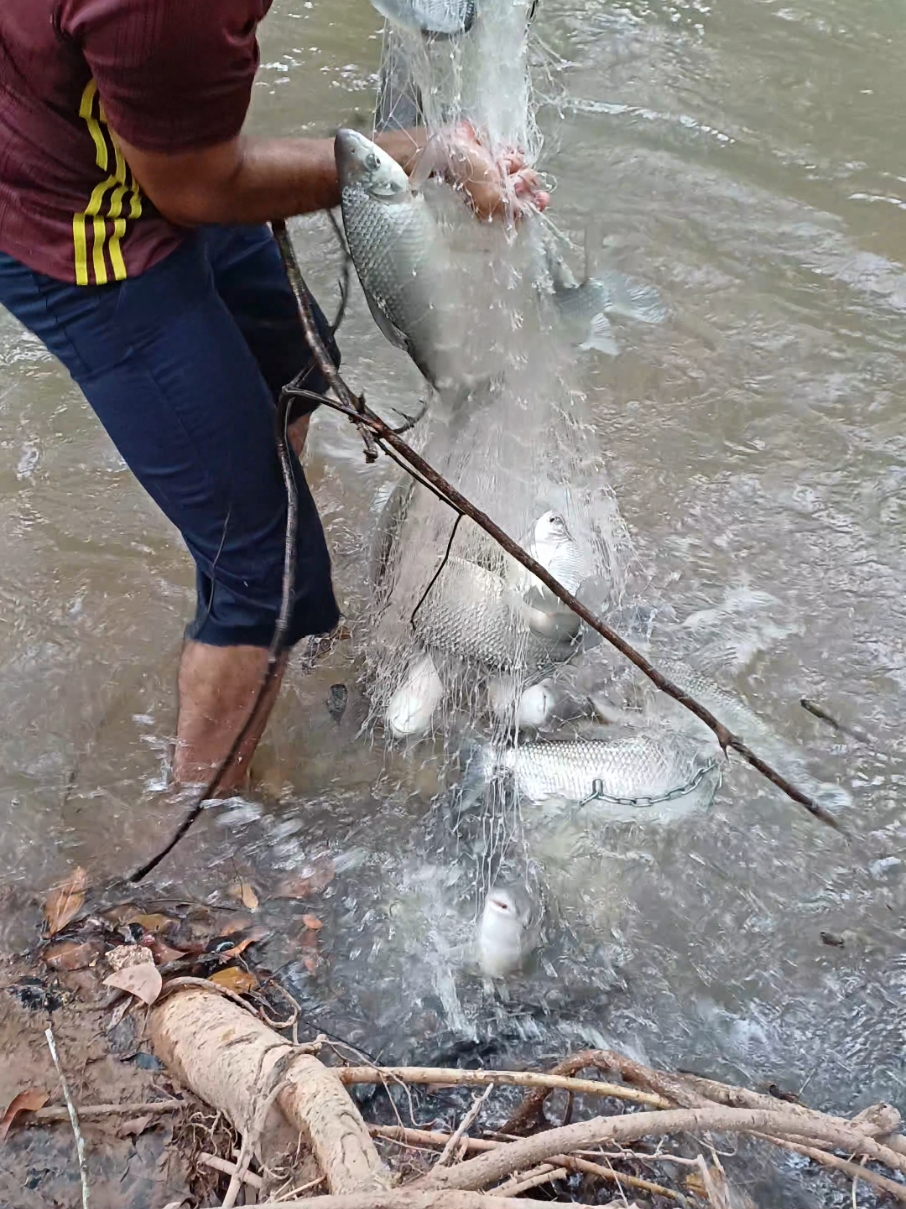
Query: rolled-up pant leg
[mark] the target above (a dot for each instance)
(173, 379)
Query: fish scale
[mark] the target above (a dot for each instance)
(643, 766)
(472, 612)
(394, 247)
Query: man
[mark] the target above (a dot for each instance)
(132, 243)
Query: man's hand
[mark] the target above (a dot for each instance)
(493, 188)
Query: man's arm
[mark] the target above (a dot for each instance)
(250, 180)
(257, 180)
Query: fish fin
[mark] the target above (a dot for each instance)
(387, 326)
(431, 158)
(601, 337)
(633, 299)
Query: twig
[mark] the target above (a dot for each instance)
(73, 1118)
(227, 1168)
(424, 1137)
(853, 732)
(527, 1152)
(294, 1192)
(464, 1126)
(376, 434)
(853, 1170)
(410, 1198)
(509, 1078)
(546, 1174)
(139, 1108)
(667, 1093)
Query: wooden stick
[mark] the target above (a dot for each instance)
(225, 1055)
(464, 1126)
(667, 1091)
(546, 1174)
(853, 1170)
(528, 1152)
(372, 426)
(73, 1119)
(410, 1198)
(742, 1097)
(509, 1078)
(426, 1137)
(138, 1108)
(227, 1168)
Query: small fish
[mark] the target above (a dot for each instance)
(585, 306)
(508, 931)
(413, 704)
(473, 613)
(401, 261)
(443, 18)
(638, 768)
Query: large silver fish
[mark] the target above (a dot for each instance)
(399, 258)
(636, 768)
(444, 18)
(473, 613)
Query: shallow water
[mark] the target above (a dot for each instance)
(746, 159)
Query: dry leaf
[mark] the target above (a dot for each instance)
(309, 880)
(26, 1101)
(312, 923)
(65, 901)
(237, 924)
(253, 937)
(72, 954)
(143, 981)
(235, 979)
(161, 952)
(124, 956)
(245, 892)
(312, 962)
(152, 923)
(134, 1128)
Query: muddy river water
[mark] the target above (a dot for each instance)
(747, 158)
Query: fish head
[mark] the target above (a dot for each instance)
(362, 163)
(508, 910)
(507, 931)
(552, 530)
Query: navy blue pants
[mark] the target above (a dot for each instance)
(183, 365)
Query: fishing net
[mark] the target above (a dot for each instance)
(448, 653)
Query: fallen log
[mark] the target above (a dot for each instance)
(238, 1065)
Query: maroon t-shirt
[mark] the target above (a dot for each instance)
(166, 75)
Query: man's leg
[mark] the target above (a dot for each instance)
(217, 689)
(172, 378)
(250, 278)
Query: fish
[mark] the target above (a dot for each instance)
(442, 18)
(537, 705)
(508, 931)
(412, 706)
(473, 613)
(637, 767)
(400, 260)
(585, 306)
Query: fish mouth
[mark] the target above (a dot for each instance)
(350, 149)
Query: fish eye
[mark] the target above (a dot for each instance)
(371, 160)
